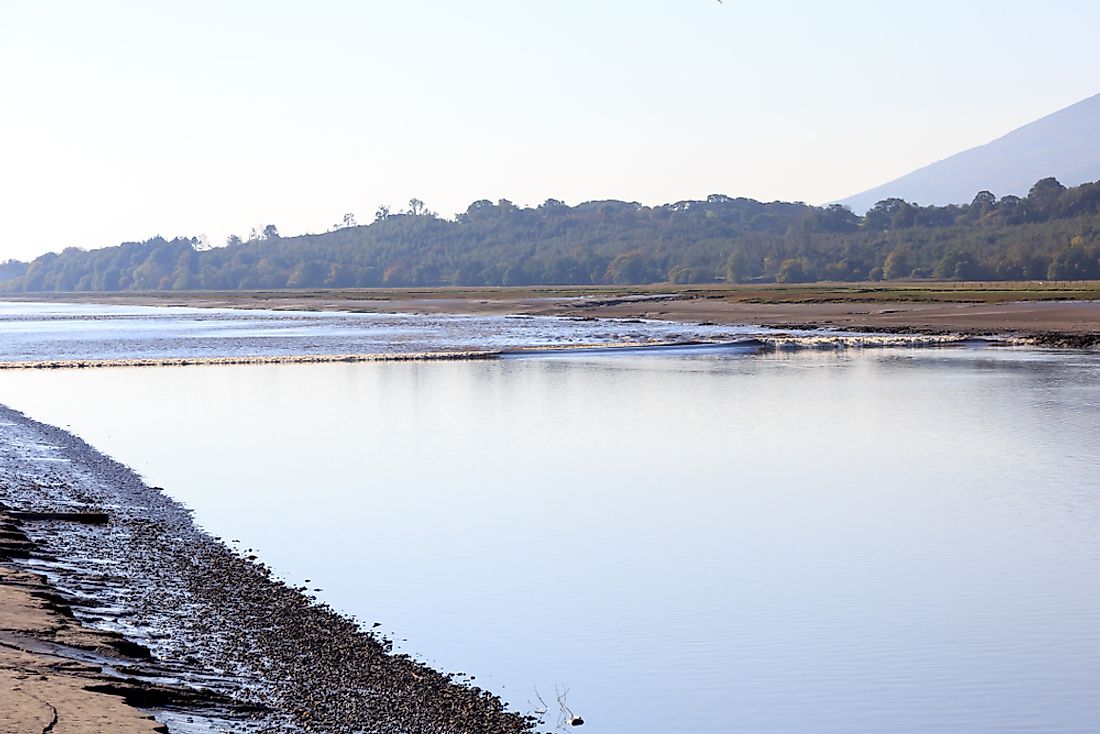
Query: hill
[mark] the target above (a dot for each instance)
(1065, 144)
(1053, 232)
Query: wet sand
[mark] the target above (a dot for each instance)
(44, 683)
(114, 606)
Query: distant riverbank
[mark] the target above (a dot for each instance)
(1065, 314)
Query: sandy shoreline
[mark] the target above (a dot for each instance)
(44, 685)
(1043, 315)
(147, 609)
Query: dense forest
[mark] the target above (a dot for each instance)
(1052, 233)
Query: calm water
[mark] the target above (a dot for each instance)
(856, 542)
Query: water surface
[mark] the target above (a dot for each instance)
(850, 542)
(52, 331)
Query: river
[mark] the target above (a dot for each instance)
(851, 541)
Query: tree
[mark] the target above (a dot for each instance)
(340, 276)
(897, 264)
(307, 275)
(956, 266)
(835, 218)
(793, 270)
(517, 274)
(740, 266)
(417, 207)
(630, 268)
(886, 214)
(984, 202)
(1042, 199)
(1055, 232)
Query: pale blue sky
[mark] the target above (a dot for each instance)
(122, 120)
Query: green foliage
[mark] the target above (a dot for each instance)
(1054, 232)
(898, 264)
(630, 268)
(12, 269)
(794, 270)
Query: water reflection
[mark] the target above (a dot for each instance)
(853, 542)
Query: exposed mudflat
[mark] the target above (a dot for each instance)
(52, 669)
(183, 626)
(1044, 314)
(60, 336)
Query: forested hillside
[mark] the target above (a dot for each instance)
(1053, 233)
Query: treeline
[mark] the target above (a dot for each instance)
(1052, 233)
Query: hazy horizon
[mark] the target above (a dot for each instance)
(196, 119)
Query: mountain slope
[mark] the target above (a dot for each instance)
(1065, 144)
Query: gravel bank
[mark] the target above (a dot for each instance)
(263, 656)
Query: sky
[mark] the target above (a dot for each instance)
(126, 120)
